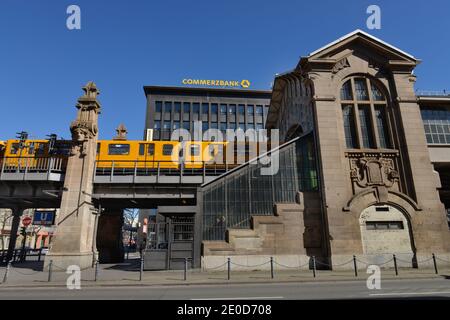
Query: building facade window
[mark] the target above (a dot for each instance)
(158, 106)
(168, 107)
(177, 107)
(186, 107)
(223, 108)
(364, 114)
(196, 107)
(259, 110)
(436, 121)
(349, 126)
(205, 108)
(366, 127)
(214, 108)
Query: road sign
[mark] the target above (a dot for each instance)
(26, 221)
(44, 217)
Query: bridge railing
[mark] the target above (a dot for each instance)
(140, 170)
(21, 168)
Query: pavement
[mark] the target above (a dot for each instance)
(438, 288)
(28, 275)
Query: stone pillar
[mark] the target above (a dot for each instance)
(17, 213)
(109, 237)
(73, 242)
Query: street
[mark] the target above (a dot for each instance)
(405, 289)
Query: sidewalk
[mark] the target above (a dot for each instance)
(127, 274)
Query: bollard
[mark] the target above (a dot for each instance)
(271, 267)
(141, 271)
(5, 277)
(96, 270)
(185, 268)
(355, 266)
(435, 264)
(50, 267)
(229, 268)
(395, 264)
(314, 266)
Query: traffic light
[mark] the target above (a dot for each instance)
(22, 136)
(51, 142)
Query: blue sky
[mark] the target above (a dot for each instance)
(124, 45)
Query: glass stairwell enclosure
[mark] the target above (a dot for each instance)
(231, 199)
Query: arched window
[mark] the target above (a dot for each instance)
(364, 115)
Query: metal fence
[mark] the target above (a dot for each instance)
(20, 255)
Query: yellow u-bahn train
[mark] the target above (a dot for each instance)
(126, 153)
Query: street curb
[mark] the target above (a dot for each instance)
(225, 282)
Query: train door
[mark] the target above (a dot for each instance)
(194, 155)
(150, 156)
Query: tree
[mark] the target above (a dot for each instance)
(5, 215)
(130, 217)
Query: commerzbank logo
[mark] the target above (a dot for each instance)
(218, 83)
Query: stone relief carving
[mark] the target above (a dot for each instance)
(376, 169)
(341, 64)
(85, 128)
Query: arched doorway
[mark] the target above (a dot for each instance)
(385, 230)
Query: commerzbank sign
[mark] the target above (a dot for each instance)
(217, 83)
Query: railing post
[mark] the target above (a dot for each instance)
(185, 268)
(50, 270)
(158, 171)
(204, 171)
(355, 266)
(112, 172)
(3, 164)
(314, 266)
(5, 277)
(271, 267)
(141, 271)
(435, 264)
(26, 169)
(49, 168)
(395, 264)
(229, 268)
(96, 270)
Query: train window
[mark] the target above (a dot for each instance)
(14, 148)
(118, 149)
(167, 149)
(40, 149)
(151, 149)
(31, 148)
(141, 149)
(63, 148)
(195, 150)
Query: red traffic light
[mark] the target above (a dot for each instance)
(26, 221)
